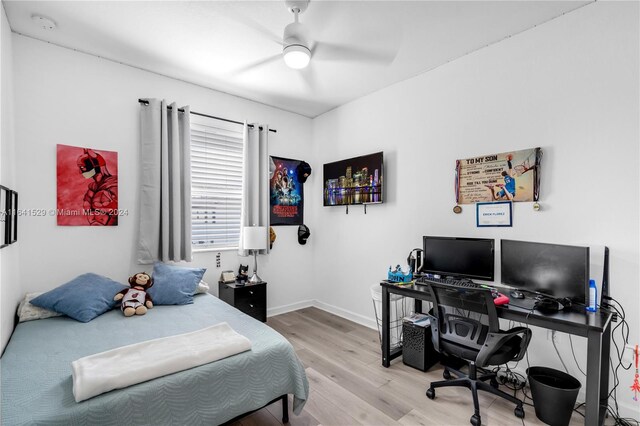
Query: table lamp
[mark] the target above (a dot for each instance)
(254, 238)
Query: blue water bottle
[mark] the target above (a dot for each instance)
(593, 296)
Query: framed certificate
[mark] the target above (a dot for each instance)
(494, 214)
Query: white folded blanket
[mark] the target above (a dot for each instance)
(128, 365)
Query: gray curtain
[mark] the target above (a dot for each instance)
(165, 183)
(255, 182)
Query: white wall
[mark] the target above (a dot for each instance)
(66, 97)
(10, 287)
(570, 86)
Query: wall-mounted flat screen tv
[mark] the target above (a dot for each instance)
(357, 180)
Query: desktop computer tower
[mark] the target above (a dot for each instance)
(417, 347)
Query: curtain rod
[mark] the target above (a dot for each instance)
(146, 102)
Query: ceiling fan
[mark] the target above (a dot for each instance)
(298, 48)
(295, 43)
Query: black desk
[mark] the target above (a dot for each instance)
(595, 326)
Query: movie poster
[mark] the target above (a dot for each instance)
(287, 193)
(87, 187)
(508, 176)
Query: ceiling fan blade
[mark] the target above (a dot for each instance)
(338, 52)
(257, 64)
(309, 77)
(250, 23)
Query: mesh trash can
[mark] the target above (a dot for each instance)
(399, 307)
(554, 394)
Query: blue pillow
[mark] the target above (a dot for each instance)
(174, 285)
(83, 298)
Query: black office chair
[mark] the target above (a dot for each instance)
(455, 333)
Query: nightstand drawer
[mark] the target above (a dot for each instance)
(255, 309)
(252, 294)
(246, 304)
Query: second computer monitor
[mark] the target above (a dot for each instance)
(459, 257)
(557, 270)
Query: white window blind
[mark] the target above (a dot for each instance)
(216, 183)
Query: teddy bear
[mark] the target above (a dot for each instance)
(135, 300)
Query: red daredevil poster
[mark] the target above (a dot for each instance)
(87, 186)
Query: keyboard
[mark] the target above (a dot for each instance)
(448, 281)
(499, 299)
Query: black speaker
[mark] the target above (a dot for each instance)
(417, 347)
(604, 291)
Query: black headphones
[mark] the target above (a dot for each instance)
(549, 305)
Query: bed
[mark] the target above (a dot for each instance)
(36, 379)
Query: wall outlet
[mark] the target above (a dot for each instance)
(629, 355)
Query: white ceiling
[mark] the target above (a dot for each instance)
(361, 46)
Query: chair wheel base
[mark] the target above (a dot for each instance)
(519, 412)
(431, 393)
(494, 383)
(446, 375)
(475, 420)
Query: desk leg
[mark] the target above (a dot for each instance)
(604, 372)
(386, 341)
(595, 360)
(417, 305)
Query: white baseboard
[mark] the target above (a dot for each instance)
(628, 409)
(289, 308)
(346, 314)
(351, 316)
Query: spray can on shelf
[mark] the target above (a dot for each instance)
(593, 296)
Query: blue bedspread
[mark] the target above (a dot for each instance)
(36, 370)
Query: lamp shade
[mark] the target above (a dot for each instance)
(254, 237)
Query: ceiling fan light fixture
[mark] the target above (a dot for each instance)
(296, 56)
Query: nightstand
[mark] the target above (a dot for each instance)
(249, 298)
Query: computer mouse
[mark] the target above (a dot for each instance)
(517, 294)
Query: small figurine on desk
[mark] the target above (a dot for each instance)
(243, 273)
(397, 276)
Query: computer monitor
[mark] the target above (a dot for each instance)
(557, 270)
(459, 257)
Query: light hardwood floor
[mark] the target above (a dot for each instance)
(349, 386)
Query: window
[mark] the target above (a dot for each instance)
(216, 183)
